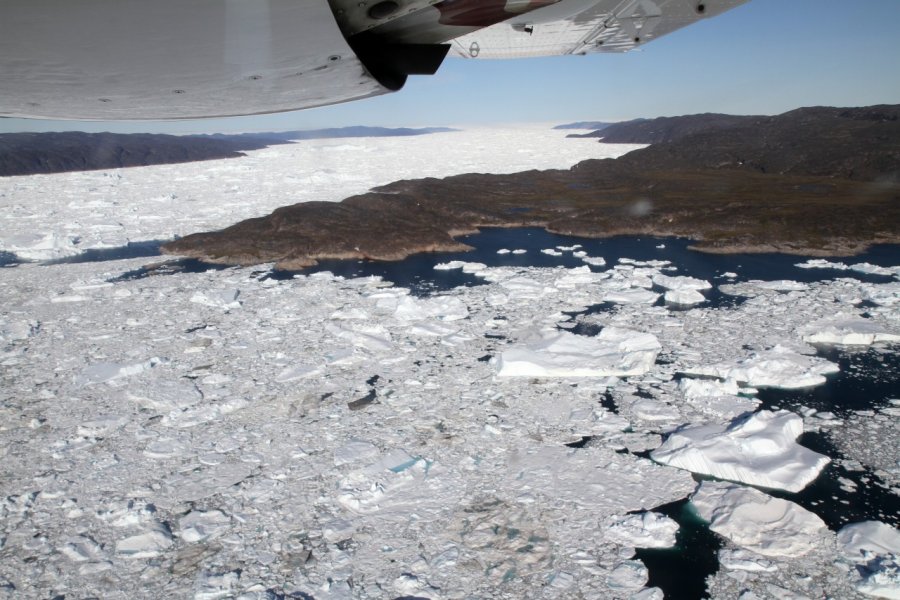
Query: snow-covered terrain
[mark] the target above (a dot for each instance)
(226, 434)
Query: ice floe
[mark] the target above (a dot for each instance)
(778, 367)
(849, 330)
(759, 449)
(612, 352)
(758, 522)
(874, 549)
(643, 530)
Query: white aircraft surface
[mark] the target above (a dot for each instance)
(173, 59)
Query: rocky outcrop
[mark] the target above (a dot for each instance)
(812, 181)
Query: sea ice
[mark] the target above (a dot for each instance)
(631, 296)
(591, 479)
(442, 308)
(629, 575)
(613, 352)
(675, 283)
(642, 530)
(199, 525)
(144, 545)
(885, 294)
(871, 269)
(848, 330)
(778, 367)
(819, 263)
(873, 548)
(857, 540)
(227, 299)
(740, 559)
(684, 297)
(758, 522)
(107, 372)
(758, 449)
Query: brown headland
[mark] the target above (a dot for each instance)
(816, 181)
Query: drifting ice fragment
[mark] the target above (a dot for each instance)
(871, 269)
(680, 283)
(684, 297)
(631, 296)
(818, 263)
(778, 367)
(644, 530)
(144, 545)
(104, 372)
(630, 575)
(759, 450)
(226, 299)
(744, 560)
(873, 547)
(756, 521)
(613, 352)
(847, 330)
(868, 537)
(442, 308)
(719, 398)
(885, 294)
(17, 330)
(200, 525)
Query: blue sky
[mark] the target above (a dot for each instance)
(764, 57)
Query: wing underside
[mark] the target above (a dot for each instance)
(171, 59)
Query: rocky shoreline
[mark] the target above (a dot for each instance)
(820, 182)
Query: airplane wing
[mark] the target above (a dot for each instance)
(173, 59)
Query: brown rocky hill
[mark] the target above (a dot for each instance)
(810, 181)
(662, 129)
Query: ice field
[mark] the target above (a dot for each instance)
(227, 433)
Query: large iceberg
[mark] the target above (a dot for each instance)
(758, 522)
(613, 352)
(758, 449)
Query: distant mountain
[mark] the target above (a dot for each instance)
(595, 125)
(663, 129)
(335, 132)
(811, 181)
(30, 153)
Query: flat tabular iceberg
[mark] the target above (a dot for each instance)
(759, 450)
(613, 352)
